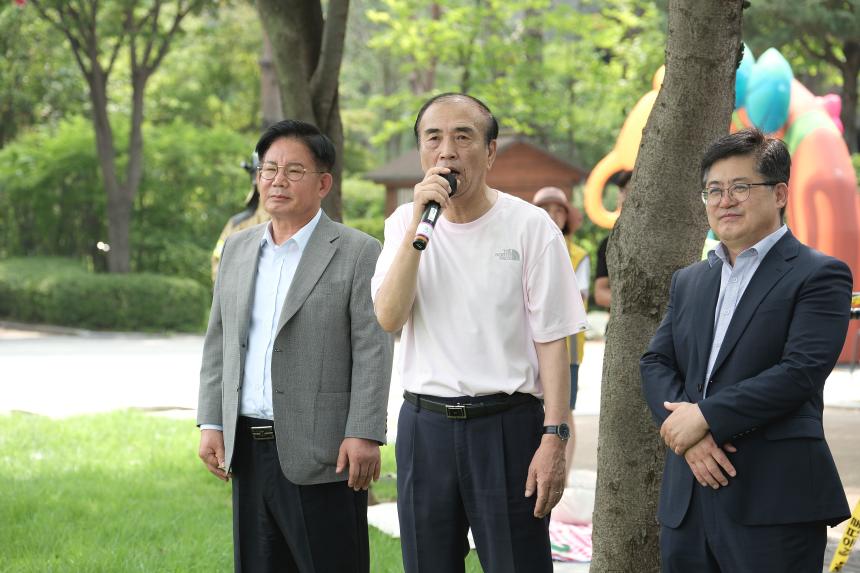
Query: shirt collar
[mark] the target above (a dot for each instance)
(301, 237)
(762, 248)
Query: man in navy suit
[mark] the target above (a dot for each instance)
(735, 375)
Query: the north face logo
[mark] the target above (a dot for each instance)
(508, 255)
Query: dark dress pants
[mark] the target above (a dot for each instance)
(709, 541)
(280, 526)
(453, 474)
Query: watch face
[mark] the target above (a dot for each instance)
(563, 431)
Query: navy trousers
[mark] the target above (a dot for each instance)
(709, 541)
(453, 474)
(279, 526)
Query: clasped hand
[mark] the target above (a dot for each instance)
(684, 427)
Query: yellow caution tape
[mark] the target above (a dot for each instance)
(849, 538)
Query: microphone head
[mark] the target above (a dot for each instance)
(452, 181)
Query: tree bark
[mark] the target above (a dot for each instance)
(661, 229)
(308, 52)
(270, 92)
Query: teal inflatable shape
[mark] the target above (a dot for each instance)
(768, 91)
(742, 77)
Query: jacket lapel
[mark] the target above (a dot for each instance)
(315, 258)
(771, 269)
(249, 258)
(709, 288)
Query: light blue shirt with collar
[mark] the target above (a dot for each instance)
(733, 282)
(276, 269)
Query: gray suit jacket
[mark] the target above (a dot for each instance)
(331, 363)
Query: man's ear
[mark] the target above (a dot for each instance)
(326, 181)
(491, 154)
(780, 191)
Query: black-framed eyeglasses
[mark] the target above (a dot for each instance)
(292, 171)
(740, 192)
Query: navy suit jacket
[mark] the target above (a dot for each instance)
(765, 393)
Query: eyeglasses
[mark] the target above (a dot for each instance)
(740, 192)
(292, 171)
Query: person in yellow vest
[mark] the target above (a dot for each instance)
(568, 218)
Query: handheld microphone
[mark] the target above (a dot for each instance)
(431, 215)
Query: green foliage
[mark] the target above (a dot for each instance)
(63, 292)
(39, 80)
(564, 76)
(52, 202)
(364, 206)
(211, 77)
(51, 198)
(855, 159)
(362, 198)
(192, 185)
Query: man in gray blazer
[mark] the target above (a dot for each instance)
(295, 374)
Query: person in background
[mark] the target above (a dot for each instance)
(568, 219)
(602, 288)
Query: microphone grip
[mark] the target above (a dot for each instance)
(425, 228)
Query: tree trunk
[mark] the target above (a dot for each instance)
(270, 93)
(661, 229)
(850, 73)
(118, 219)
(308, 51)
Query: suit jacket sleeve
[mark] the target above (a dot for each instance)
(210, 392)
(662, 379)
(813, 343)
(371, 354)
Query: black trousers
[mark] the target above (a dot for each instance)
(280, 526)
(453, 474)
(709, 541)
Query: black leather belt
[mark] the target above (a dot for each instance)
(465, 411)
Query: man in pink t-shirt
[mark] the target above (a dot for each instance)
(484, 311)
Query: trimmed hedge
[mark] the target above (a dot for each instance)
(62, 292)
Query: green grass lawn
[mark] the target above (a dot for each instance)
(126, 492)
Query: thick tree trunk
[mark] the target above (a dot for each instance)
(308, 51)
(661, 229)
(850, 73)
(270, 92)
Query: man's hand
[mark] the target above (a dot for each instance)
(362, 457)
(546, 473)
(212, 453)
(433, 187)
(684, 427)
(708, 462)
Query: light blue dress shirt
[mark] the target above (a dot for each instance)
(275, 271)
(733, 282)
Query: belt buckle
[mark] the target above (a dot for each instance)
(457, 412)
(263, 432)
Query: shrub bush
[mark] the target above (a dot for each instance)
(63, 292)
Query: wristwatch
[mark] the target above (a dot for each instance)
(562, 431)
